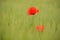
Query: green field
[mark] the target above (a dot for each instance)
(15, 24)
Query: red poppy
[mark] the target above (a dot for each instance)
(40, 28)
(32, 11)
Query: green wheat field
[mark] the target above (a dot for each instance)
(15, 24)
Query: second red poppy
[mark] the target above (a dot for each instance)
(40, 28)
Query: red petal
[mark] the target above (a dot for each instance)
(32, 11)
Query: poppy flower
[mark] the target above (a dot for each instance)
(32, 11)
(40, 28)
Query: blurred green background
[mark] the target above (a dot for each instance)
(15, 24)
